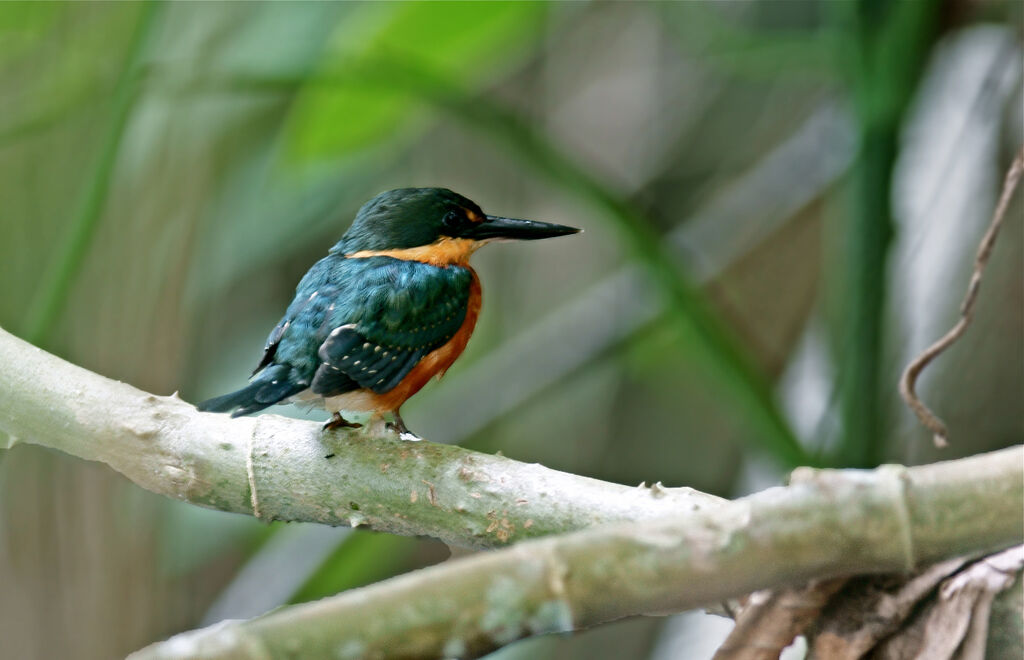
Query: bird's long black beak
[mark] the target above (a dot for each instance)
(494, 227)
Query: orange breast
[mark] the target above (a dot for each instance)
(437, 361)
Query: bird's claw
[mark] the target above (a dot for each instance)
(398, 426)
(339, 422)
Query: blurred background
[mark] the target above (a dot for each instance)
(782, 202)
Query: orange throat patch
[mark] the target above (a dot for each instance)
(443, 252)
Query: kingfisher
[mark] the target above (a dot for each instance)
(391, 306)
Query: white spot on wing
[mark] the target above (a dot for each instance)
(347, 326)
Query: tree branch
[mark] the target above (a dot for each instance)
(275, 468)
(687, 549)
(831, 523)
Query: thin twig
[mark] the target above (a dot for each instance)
(909, 378)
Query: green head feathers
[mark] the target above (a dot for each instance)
(413, 217)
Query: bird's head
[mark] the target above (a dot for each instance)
(434, 225)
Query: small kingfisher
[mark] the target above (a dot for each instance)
(392, 305)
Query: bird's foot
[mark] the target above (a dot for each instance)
(398, 426)
(339, 422)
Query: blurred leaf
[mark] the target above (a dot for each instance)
(24, 24)
(460, 39)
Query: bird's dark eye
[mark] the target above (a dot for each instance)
(452, 220)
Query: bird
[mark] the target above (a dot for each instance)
(392, 305)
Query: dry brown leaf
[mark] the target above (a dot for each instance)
(953, 624)
(772, 619)
(965, 604)
(871, 608)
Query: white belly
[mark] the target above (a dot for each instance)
(356, 401)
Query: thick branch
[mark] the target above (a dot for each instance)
(275, 468)
(690, 548)
(832, 523)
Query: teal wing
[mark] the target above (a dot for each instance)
(391, 313)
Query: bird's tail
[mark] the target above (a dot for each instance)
(268, 387)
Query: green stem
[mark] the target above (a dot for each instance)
(884, 55)
(868, 238)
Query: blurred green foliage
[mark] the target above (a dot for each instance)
(883, 53)
(169, 170)
(462, 41)
(57, 279)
